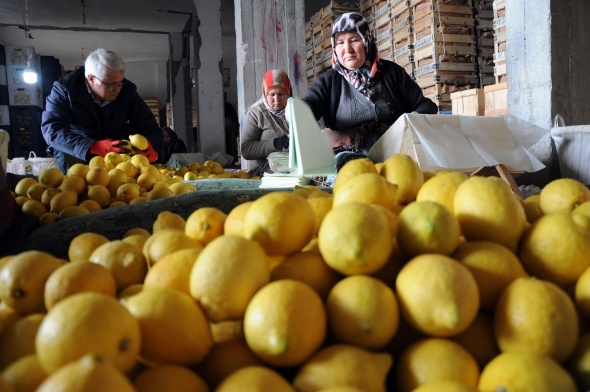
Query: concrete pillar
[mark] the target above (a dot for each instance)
(269, 35)
(547, 46)
(180, 93)
(208, 76)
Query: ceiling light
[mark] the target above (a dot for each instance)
(29, 74)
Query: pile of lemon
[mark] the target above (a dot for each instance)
(110, 181)
(397, 280)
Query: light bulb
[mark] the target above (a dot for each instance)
(29, 75)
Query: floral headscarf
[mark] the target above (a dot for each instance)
(362, 79)
(275, 78)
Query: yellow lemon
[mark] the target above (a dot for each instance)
(525, 371)
(159, 193)
(362, 311)
(445, 386)
(271, 221)
(128, 168)
(73, 278)
(532, 208)
(441, 188)
(78, 169)
(47, 195)
(96, 161)
(127, 192)
(137, 230)
(234, 222)
(403, 171)
(74, 183)
(91, 369)
(205, 224)
(139, 161)
(227, 274)
(72, 211)
(168, 220)
(82, 246)
(62, 200)
(25, 374)
(147, 181)
(435, 359)
(98, 175)
(352, 169)
(578, 363)
(355, 238)
(166, 241)
(437, 295)
(34, 208)
(563, 195)
(180, 188)
(169, 378)
(427, 227)
(51, 177)
(308, 267)
(48, 218)
(117, 175)
(255, 378)
(368, 188)
(88, 323)
(487, 210)
(36, 191)
(18, 339)
(225, 358)
(174, 329)
(285, 322)
(173, 270)
(100, 194)
(23, 185)
(479, 340)
(536, 316)
(320, 207)
(139, 141)
(113, 158)
(23, 278)
(343, 365)
(493, 266)
(582, 293)
(125, 261)
(556, 247)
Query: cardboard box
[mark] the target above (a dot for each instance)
(468, 102)
(496, 99)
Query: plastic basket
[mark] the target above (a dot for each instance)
(39, 164)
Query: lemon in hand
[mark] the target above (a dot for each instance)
(139, 141)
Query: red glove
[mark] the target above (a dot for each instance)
(103, 147)
(149, 153)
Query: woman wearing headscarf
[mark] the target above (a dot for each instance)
(362, 95)
(265, 129)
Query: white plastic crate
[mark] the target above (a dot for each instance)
(18, 56)
(572, 148)
(25, 96)
(14, 76)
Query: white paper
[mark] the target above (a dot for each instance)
(458, 142)
(309, 152)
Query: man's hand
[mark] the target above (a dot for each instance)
(149, 153)
(103, 147)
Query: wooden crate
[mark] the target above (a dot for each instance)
(403, 37)
(468, 102)
(496, 99)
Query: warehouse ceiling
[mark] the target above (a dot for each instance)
(69, 29)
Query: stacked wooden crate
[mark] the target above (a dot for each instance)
(444, 48)
(500, 41)
(403, 35)
(484, 40)
(152, 103)
(318, 37)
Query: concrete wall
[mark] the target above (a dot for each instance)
(547, 52)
